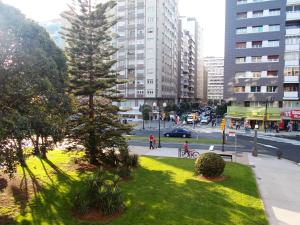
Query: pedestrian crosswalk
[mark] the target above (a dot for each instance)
(273, 138)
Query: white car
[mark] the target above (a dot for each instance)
(204, 120)
(190, 119)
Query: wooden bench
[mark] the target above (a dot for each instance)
(226, 156)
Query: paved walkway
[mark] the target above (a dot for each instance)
(278, 182)
(279, 185)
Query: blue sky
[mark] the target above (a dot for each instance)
(210, 14)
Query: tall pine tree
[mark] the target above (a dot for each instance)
(89, 50)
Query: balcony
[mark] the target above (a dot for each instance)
(292, 2)
(291, 95)
(295, 31)
(292, 15)
(291, 79)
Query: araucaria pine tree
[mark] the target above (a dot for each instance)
(88, 36)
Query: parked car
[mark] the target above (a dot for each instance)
(204, 120)
(179, 132)
(189, 119)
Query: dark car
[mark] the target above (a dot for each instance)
(179, 132)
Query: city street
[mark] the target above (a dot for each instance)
(267, 144)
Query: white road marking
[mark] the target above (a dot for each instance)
(268, 146)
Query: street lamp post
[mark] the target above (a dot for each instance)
(254, 151)
(159, 112)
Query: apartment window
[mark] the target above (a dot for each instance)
(149, 81)
(291, 71)
(273, 43)
(240, 60)
(240, 75)
(131, 71)
(256, 74)
(239, 89)
(271, 89)
(241, 30)
(255, 89)
(275, 27)
(241, 15)
(272, 73)
(292, 56)
(291, 87)
(256, 44)
(240, 2)
(258, 13)
(274, 12)
(292, 40)
(256, 59)
(240, 45)
(273, 58)
(257, 29)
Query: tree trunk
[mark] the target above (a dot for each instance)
(92, 137)
(20, 153)
(35, 143)
(43, 149)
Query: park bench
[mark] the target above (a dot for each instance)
(226, 156)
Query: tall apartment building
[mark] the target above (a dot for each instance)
(148, 53)
(262, 61)
(215, 77)
(188, 58)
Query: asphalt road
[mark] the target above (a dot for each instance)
(245, 144)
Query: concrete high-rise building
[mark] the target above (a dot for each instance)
(148, 53)
(188, 57)
(262, 55)
(201, 82)
(215, 77)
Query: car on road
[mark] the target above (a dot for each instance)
(204, 120)
(179, 132)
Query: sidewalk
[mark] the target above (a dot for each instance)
(278, 182)
(279, 185)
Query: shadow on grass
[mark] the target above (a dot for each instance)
(6, 220)
(157, 199)
(151, 197)
(3, 183)
(239, 176)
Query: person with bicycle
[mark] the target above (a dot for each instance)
(186, 148)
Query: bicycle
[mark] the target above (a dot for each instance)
(192, 154)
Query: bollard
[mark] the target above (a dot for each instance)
(179, 152)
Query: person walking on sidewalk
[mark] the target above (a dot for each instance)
(151, 141)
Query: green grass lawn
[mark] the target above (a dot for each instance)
(178, 140)
(162, 191)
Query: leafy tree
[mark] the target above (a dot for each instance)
(221, 109)
(32, 73)
(145, 110)
(171, 107)
(96, 125)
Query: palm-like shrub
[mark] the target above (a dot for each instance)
(99, 191)
(209, 165)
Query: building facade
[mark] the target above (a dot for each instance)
(188, 58)
(148, 53)
(262, 60)
(215, 77)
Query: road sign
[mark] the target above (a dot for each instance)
(232, 133)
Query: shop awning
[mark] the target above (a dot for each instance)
(254, 113)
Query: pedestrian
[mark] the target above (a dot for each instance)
(186, 147)
(151, 140)
(290, 127)
(154, 142)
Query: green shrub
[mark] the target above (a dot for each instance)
(123, 172)
(209, 165)
(99, 191)
(133, 161)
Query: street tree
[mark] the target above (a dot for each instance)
(93, 83)
(32, 73)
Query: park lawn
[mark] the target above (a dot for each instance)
(177, 140)
(161, 191)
